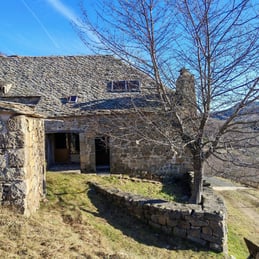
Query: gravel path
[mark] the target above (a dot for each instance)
(221, 184)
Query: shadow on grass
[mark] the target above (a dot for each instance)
(127, 224)
(135, 228)
(177, 188)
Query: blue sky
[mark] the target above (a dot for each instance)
(40, 27)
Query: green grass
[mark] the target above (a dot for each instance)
(75, 222)
(145, 188)
(123, 233)
(236, 244)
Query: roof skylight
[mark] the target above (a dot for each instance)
(72, 99)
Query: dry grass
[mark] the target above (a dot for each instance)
(76, 223)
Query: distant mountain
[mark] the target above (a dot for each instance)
(250, 111)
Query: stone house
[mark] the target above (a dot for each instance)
(22, 160)
(97, 114)
(96, 108)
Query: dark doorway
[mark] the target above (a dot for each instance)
(102, 154)
(63, 149)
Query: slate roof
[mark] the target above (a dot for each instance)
(46, 82)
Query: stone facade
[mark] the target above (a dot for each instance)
(102, 115)
(22, 160)
(130, 151)
(130, 121)
(204, 225)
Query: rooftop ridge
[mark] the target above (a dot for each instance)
(58, 56)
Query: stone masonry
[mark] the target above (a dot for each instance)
(139, 134)
(22, 161)
(202, 224)
(132, 153)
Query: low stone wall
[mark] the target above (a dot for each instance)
(205, 225)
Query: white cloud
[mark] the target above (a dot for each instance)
(65, 11)
(69, 14)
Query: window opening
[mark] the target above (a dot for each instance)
(72, 99)
(124, 86)
(119, 86)
(133, 85)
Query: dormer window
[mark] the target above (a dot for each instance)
(72, 99)
(124, 86)
(119, 86)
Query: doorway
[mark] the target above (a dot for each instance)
(102, 154)
(63, 149)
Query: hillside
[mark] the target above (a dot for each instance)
(75, 223)
(249, 112)
(245, 169)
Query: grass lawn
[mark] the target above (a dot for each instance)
(74, 222)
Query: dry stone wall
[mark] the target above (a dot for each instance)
(205, 225)
(22, 162)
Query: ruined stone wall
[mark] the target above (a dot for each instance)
(22, 162)
(204, 225)
(135, 146)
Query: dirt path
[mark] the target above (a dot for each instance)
(221, 184)
(249, 211)
(242, 204)
(246, 202)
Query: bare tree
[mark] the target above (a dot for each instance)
(216, 39)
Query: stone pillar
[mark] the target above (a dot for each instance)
(185, 90)
(87, 155)
(22, 168)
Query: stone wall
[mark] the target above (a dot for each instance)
(204, 225)
(135, 147)
(22, 162)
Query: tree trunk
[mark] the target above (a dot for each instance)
(198, 167)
